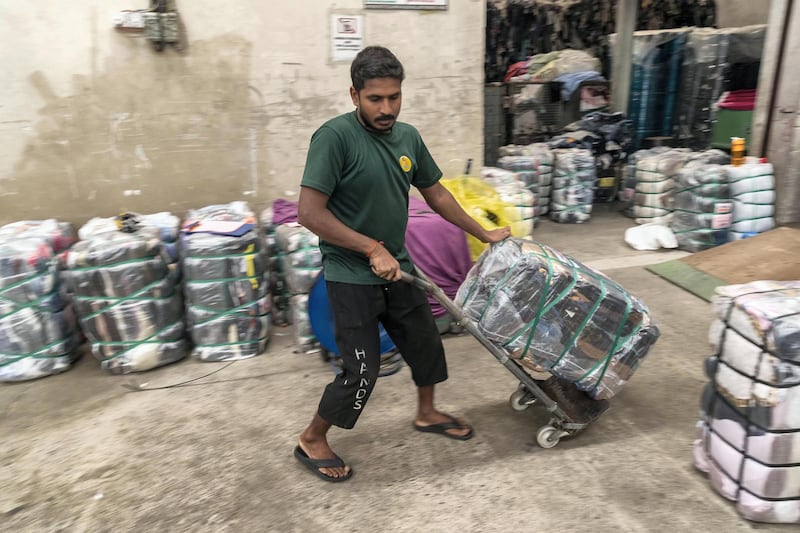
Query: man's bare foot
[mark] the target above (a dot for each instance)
(434, 421)
(318, 449)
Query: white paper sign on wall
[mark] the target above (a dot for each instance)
(347, 36)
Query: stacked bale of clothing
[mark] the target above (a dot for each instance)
(127, 297)
(38, 330)
(279, 212)
(752, 187)
(301, 263)
(628, 185)
(702, 210)
(573, 185)
(749, 432)
(654, 194)
(227, 293)
(533, 164)
(608, 136)
(513, 191)
(164, 224)
(552, 313)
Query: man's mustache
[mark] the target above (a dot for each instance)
(384, 117)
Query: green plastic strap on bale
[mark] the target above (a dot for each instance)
(232, 311)
(223, 256)
(233, 343)
(617, 338)
(573, 339)
(134, 297)
(221, 280)
(133, 344)
(34, 355)
(750, 178)
(110, 265)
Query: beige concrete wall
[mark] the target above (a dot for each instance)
(93, 121)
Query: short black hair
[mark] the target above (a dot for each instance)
(375, 62)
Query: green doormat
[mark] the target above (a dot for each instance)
(688, 278)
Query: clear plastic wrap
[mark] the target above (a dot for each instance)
(702, 208)
(38, 331)
(548, 311)
(514, 192)
(573, 185)
(127, 297)
(752, 187)
(533, 164)
(58, 235)
(281, 312)
(228, 301)
(749, 433)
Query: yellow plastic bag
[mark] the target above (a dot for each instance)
(482, 202)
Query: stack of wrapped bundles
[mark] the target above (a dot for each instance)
(573, 185)
(225, 283)
(38, 331)
(655, 186)
(164, 224)
(512, 190)
(127, 297)
(702, 209)
(628, 185)
(552, 313)
(749, 432)
(302, 263)
(533, 164)
(653, 198)
(752, 188)
(280, 212)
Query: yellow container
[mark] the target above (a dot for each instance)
(737, 151)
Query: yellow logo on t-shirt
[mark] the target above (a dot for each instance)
(405, 163)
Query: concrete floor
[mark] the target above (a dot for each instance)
(82, 453)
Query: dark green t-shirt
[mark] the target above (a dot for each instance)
(367, 177)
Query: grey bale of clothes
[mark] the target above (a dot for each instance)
(127, 296)
(225, 285)
(39, 335)
(533, 164)
(748, 436)
(551, 313)
(573, 185)
(276, 271)
(302, 264)
(703, 209)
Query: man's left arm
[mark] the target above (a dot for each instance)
(443, 202)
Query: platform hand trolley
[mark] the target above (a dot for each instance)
(530, 391)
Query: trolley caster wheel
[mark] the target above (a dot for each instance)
(521, 399)
(548, 436)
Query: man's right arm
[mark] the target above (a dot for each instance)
(313, 213)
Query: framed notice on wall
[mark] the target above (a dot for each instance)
(406, 4)
(347, 36)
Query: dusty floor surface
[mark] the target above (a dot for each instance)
(80, 452)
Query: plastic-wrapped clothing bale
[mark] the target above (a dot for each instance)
(749, 433)
(553, 313)
(702, 207)
(655, 186)
(226, 288)
(752, 187)
(38, 331)
(164, 224)
(58, 235)
(302, 263)
(281, 311)
(513, 191)
(628, 186)
(481, 201)
(533, 164)
(573, 185)
(127, 298)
